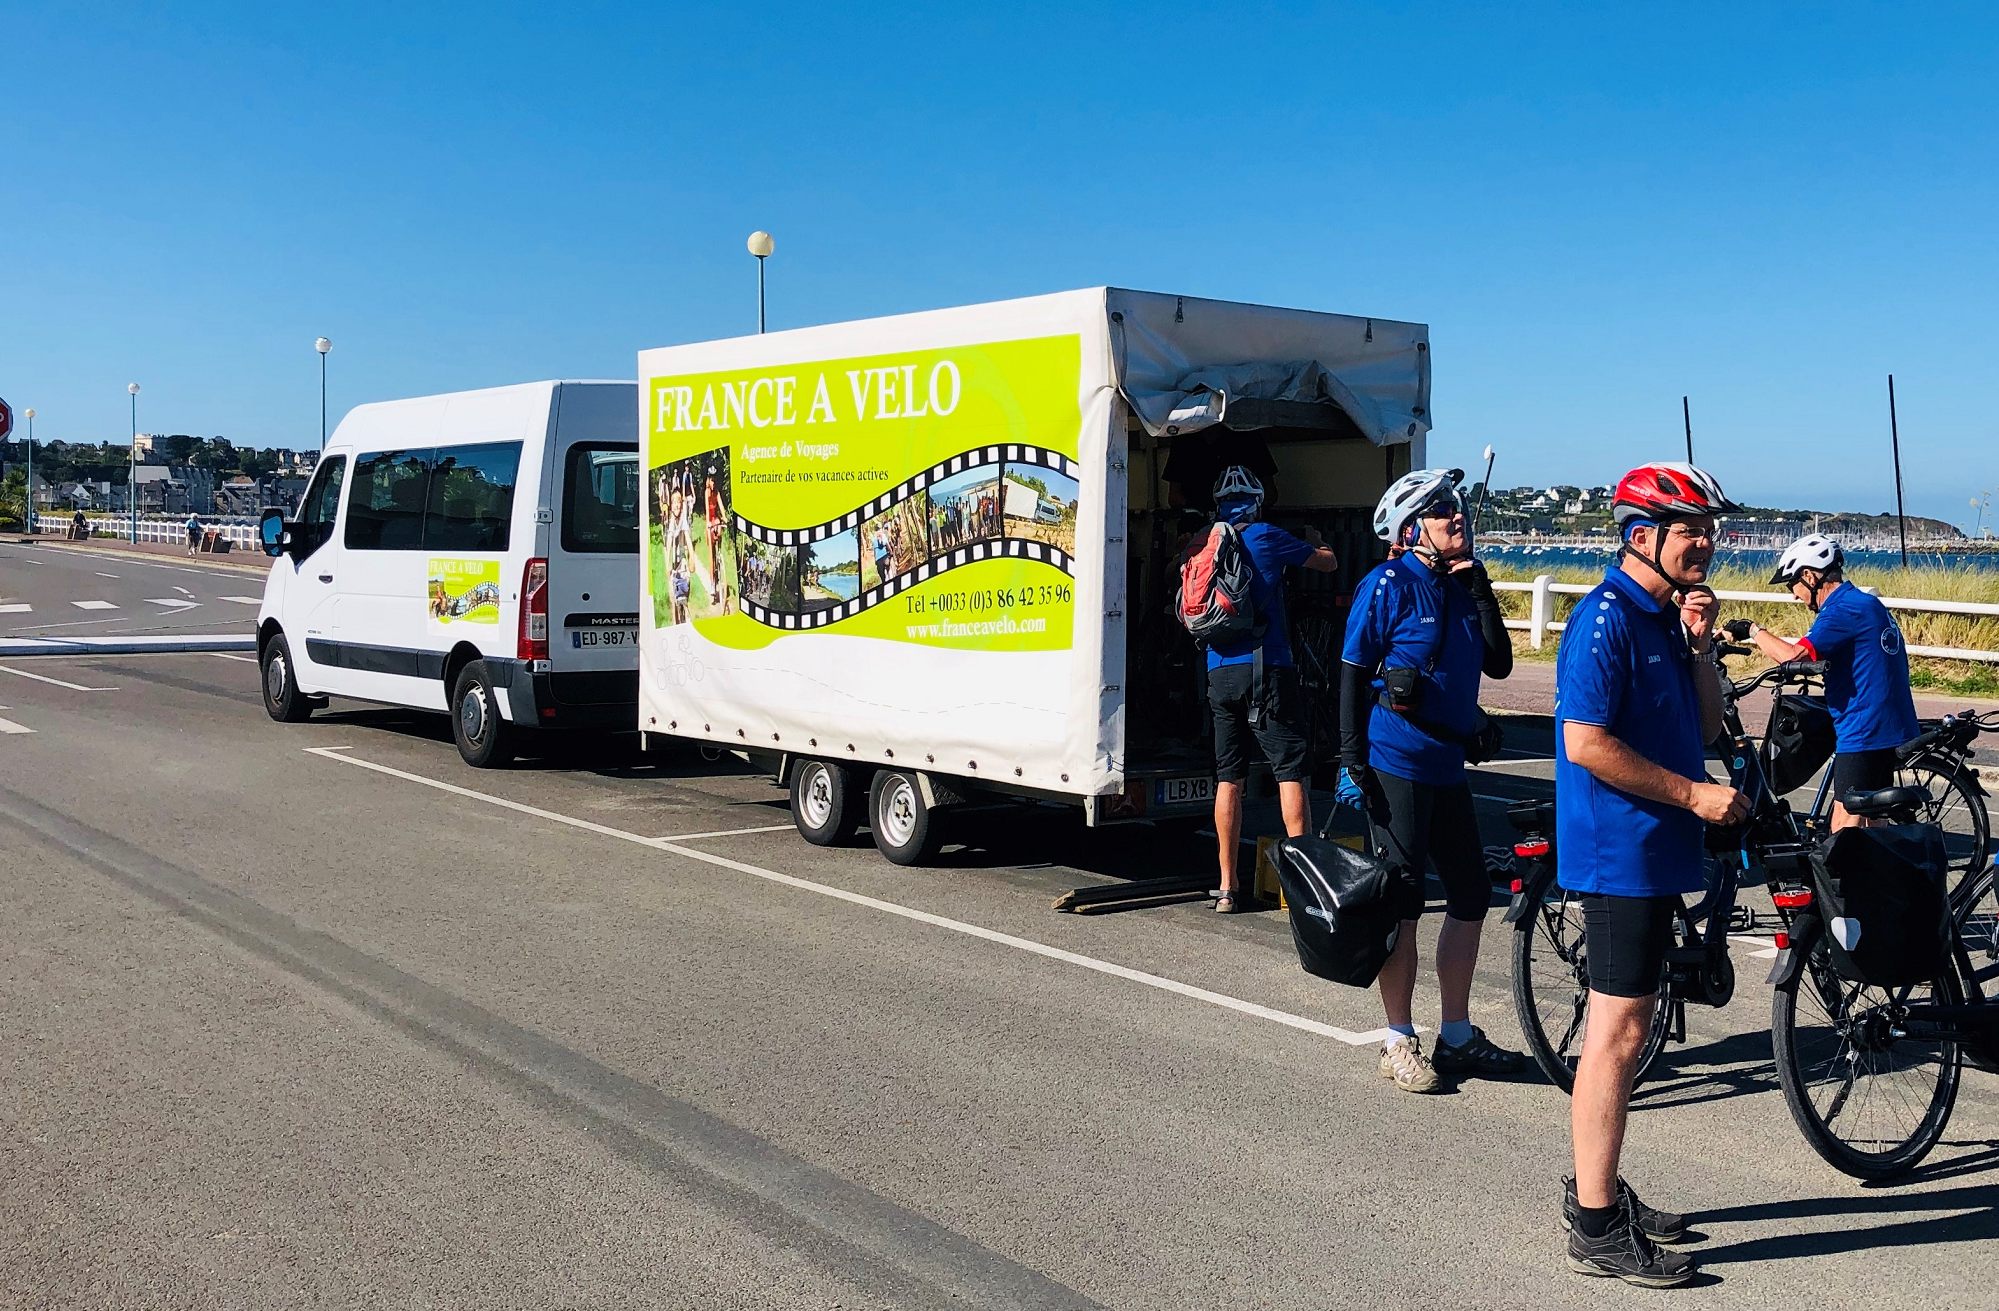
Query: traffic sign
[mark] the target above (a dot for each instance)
(6, 420)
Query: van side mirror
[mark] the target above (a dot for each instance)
(273, 532)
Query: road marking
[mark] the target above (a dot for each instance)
(182, 590)
(102, 574)
(172, 602)
(44, 678)
(224, 655)
(17, 608)
(9, 726)
(93, 605)
(723, 833)
(1028, 945)
(242, 600)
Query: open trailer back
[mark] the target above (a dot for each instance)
(919, 560)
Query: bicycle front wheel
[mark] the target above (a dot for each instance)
(1957, 806)
(1551, 990)
(1870, 1099)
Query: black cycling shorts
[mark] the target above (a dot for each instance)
(1625, 939)
(1436, 826)
(1278, 735)
(1863, 771)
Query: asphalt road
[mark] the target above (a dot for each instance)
(61, 591)
(316, 1016)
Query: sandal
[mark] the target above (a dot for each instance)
(1226, 902)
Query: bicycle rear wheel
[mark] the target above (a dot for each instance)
(1870, 1103)
(1974, 909)
(1551, 990)
(1957, 806)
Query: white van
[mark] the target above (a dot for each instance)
(475, 553)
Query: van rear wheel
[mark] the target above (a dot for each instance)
(824, 804)
(485, 740)
(282, 699)
(904, 825)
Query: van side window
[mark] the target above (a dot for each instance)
(320, 505)
(385, 509)
(471, 497)
(600, 499)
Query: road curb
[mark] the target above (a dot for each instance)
(140, 644)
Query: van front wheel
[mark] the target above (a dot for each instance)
(904, 825)
(282, 699)
(485, 740)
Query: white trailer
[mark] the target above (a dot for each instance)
(911, 561)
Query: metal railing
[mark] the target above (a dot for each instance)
(240, 531)
(1541, 621)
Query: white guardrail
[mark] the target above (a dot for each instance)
(1544, 589)
(241, 532)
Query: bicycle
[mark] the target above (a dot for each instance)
(1550, 966)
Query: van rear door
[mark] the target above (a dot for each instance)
(593, 571)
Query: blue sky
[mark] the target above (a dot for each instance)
(1595, 208)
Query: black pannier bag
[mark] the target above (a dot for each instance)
(1346, 908)
(1881, 895)
(1800, 740)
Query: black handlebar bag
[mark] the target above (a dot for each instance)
(1346, 908)
(1799, 741)
(1882, 896)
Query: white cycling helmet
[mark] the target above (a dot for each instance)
(1812, 551)
(1412, 494)
(1236, 482)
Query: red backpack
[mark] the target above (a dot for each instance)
(1214, 601)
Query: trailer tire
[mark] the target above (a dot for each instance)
(824, 804)
(905, 828)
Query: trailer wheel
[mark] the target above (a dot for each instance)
(905, 828)
(823, 804)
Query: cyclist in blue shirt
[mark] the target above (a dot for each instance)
(1637, 698)
(1246, 707)
(1425, 626)
(1867, 667)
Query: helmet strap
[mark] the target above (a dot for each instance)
(1653, 561)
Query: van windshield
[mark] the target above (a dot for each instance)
(600, 499)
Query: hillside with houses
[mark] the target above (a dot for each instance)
(1566, 511)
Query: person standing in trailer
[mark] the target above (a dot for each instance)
(1425, 626)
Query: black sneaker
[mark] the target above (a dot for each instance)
(1659, 1226)
(1626, 1253)
(1476, 1055)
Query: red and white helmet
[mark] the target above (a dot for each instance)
(1664, 491)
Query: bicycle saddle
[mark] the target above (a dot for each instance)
(1888, 801)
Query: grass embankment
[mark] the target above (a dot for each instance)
(1965, 632)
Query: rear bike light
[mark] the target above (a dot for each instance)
(1783, 941)
(1516, 886)
(1794, 900)
(1529, 850)
(533, 643)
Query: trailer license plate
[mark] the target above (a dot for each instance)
(1183, 791)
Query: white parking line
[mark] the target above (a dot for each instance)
(9, 726)
(93, 605)
(224, 655)
(723, 833)
(102, 574)
(44, 678)
(242, 600)
(1028, 945)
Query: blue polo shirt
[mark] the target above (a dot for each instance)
(1270, 549)
(1625, 666)
(1407, 616)
(1867, 671)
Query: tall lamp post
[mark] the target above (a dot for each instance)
(133, 484)
(29, 415)
(761, 246)
(323, 346)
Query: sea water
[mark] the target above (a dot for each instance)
(1520, 558)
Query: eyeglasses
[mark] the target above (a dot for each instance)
(1686, 534)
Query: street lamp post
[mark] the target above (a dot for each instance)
(323, 346)
(761, 246)
(29, 415)
(133, 485)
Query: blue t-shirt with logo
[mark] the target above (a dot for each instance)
(1867, 671)
(1270, 549)
(1624, 666)
(1407, 616)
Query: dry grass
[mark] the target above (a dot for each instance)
(1963, 632)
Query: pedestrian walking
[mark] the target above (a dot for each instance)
(193, 533)
(1424, 628)
(1637, 698)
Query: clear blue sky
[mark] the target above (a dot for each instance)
(1595, 209)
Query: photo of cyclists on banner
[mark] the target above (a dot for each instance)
(964, 508)
(769, 574)
(1039, 505)
(894, 542)
(691, 542)
(829, 571)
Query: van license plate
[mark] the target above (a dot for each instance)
(582, 637)
(1183, 791)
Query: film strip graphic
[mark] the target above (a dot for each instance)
(1000, 548)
